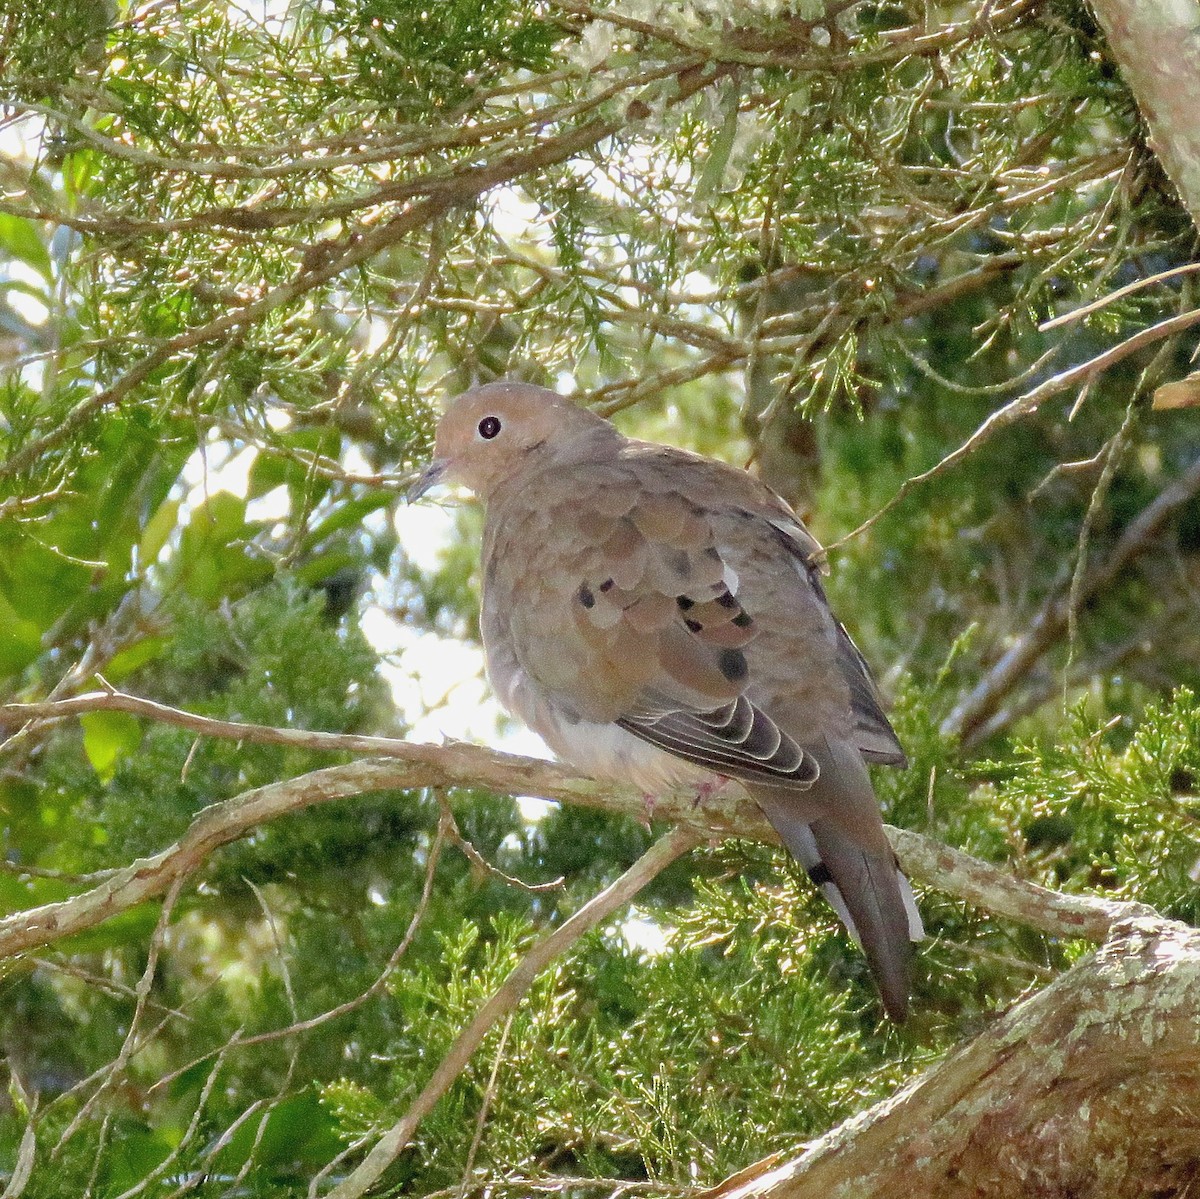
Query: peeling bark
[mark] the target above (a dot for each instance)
(1157, 44)
(1089, 1089)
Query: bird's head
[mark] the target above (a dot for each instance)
(493, 432)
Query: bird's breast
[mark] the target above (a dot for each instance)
(607, 751)
(599, 749)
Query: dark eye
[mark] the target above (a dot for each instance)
(489, 427)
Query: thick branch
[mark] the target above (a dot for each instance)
(1157, 44)
(1088, 1089)
(412, 766)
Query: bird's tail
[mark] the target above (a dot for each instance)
(858, 875)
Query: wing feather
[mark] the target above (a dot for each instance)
(877, 740)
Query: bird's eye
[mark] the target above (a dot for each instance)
(489, 427)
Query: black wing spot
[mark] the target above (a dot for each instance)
(607, 585)
(586, 598)
(727, 601)
(742, 620)
(684, 603)
(694, 625)
(820, 874)
(732, 664)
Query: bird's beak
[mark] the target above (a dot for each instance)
(429, 477)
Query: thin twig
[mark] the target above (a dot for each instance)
(129, 1045)
(189, 1134)
(480, 862)
(341, 255)
(1053, 617)
(505, 999)
(1077, 314)
(1028, 403)
(342, 1009)
(489, 1094)
(1113, 454)
(1102, 664)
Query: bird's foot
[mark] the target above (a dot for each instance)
(710, 788)
(650, 800)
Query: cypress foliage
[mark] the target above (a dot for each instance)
(242, 256)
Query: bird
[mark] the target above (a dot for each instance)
(658, 618)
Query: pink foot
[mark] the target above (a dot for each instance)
(710, 787)
(650, 800)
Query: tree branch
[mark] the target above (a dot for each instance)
(428, 198)
(1087, 1089)
(505, 1000)
(349, 251)
(410, 766)
(1166, 629)
(1027, 404)
(1052, 619)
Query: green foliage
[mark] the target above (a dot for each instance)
(422, 56)
(39, 53)
(1111, 807)
(756, 232)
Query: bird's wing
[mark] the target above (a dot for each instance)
(873, 732)
(623, 609)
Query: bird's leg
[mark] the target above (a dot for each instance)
(650, 800)
(710, 787)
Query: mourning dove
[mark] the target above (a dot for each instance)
(658, 618)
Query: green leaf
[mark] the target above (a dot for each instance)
(38, 293)
(317, 569)
(346, 516)
(20, 639)
(107, 738)
(207, 564)
(78, 171)
(134, 657)
(158, 528)
(713, 174)
(16, 894)
(274, 468)
(20, 238)
(298, 1128)
(136, 1151)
